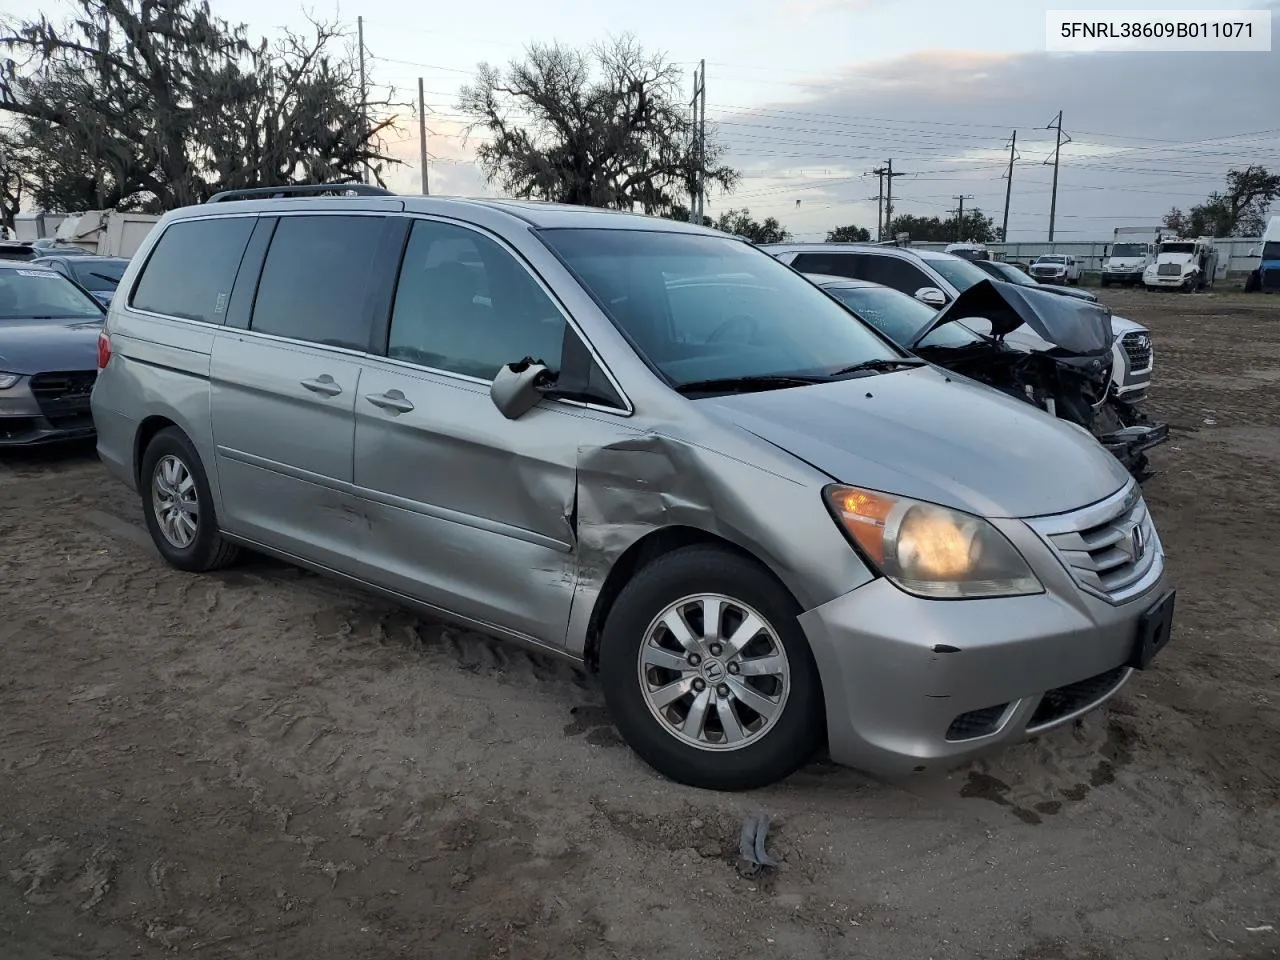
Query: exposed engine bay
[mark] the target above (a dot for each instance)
(1070, 377)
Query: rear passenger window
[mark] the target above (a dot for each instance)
(190, 272)
(896, 273)
(466, 305)
(315, 281)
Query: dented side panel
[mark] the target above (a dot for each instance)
(471, 511)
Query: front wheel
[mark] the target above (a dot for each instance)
(711, 688)
(178, 506)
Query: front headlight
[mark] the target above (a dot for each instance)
(7, 380)
(931, 551)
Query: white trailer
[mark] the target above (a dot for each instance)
(36, 225)
(107, 233)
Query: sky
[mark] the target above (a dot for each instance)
(810, 95)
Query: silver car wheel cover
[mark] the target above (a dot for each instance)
(174, 501)
(713, 672)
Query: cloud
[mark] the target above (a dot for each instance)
(452, 168)
(1147, 131)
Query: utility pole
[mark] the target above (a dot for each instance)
(1008, 187)
(364, 96)
(1053, 202)
(702, 140)
(960, 215)
(880, 172)
(888, 195)
(699, 107)
(422, 135)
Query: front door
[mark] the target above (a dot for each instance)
(472, 512)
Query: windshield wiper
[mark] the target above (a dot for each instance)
(879, 366)
(747, 384)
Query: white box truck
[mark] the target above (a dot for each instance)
(1132, 250)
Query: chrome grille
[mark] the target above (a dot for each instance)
(1138, 347)
(1111, 549)
(1169, 269)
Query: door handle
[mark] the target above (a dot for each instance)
(323, 385)
(392, 400)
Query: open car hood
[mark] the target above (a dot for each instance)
(1077, 326)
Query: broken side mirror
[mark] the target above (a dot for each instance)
(932, 296)
(518, 387)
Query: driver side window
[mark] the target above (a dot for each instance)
(465, 305)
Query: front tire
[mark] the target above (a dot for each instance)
(178, 506)
(710, 688)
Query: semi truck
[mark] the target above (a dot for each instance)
(1269, 263)
(1182, 264)
(1132, 250)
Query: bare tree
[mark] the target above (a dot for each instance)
(139, 104)
(606, 128)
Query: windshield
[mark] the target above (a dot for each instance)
(1177, 248)
(1129, 250)
(99, 275)
(900, 317)
(705, 308)
(1271, 250)
(1009, 273)
(1051, 259)
(961, 274)
(43, 295)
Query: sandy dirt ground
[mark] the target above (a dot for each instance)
(263, 764)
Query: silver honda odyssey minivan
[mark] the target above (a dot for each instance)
(643, 445)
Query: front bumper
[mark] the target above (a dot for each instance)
(23, 423)
(1049, 277)
(1122, 276)
(908, 682)
(1166, 281)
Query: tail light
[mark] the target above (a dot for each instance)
(104, 349)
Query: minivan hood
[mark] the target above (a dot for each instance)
(921, 434)
(42, 346)
(1077, 326)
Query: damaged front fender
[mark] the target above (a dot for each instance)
(660, 481)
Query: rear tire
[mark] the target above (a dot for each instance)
(718, 674)
(178, 507)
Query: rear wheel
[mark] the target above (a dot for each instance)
(178, 506)
(711, 688)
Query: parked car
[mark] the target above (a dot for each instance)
(98, 275)
(48, 356)
(938, 278)
(1056, 268)
(16, 250)
(970, 251)
(1028, 360)
(1011, 274)
(641, 444)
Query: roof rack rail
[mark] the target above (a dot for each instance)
(301, 190)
